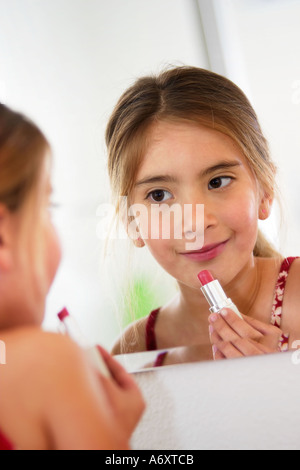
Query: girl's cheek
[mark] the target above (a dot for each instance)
(163, 252)
(161, 223)
(245, 219)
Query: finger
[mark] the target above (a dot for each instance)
(217, 355)
(238, 326)
(270, 332)
(230, 327)
(119, 374)
(248, 347)
(264, 349)
(219, 326)
(263, 328)
(239, 347)
(215, 338)
(227, 349)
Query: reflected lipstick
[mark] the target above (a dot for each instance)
(214, 294)
(73, 331)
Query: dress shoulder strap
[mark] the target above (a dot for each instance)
(279, 290)
(276, 316)
(4, 443)
(150, 331)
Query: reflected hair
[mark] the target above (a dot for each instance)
(24, 152)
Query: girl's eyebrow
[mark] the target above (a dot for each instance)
(157, 179)
(223, 165)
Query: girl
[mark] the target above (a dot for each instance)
(51, 397)
(190, 137)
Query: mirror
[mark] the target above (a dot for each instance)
(151, 360)
(78, 57)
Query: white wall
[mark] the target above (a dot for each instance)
(65, 63)
(238, 404)
(256, 43)
(270, 42)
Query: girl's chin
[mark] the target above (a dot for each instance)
(190, 282)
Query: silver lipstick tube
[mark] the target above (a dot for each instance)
(217, 298)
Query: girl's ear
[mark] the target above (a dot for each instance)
(6, 239)
(131, 224)
(133, 232)
(265, 206)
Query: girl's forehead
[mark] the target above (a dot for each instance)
(169, 143)
(183, 152)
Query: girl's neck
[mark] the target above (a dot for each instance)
(244, 289)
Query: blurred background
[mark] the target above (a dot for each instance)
(66, 62)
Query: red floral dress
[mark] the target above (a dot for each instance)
(275, 315)
(278, 301)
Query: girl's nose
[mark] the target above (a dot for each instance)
(199, 216)
(210, 214)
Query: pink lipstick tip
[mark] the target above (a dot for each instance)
(205, 277)
(63, 314)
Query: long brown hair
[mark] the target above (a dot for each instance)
(186, 94)
(23, 155)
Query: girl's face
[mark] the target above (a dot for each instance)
(190, 165)
(26, 283)
(51, 257)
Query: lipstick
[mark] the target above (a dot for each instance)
(214, 294)
(73, 331)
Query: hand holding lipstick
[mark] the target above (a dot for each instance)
(124, 396)
(231, 333)
(232, 337)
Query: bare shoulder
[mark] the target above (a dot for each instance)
(37, 371)
(292, 284)
(132, 339)
(295, 266)
(31, 344)
(32, 354)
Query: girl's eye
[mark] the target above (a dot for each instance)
(159, 195)
(219, 182)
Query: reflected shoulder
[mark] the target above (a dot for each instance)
(33, 349)
(132, 339)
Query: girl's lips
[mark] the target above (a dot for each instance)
(207, 252)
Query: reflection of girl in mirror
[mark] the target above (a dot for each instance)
(190, 136)
(51, 397)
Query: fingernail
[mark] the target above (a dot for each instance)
(214, 349)
(224, 312)
(213, 317)
(210, 329)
